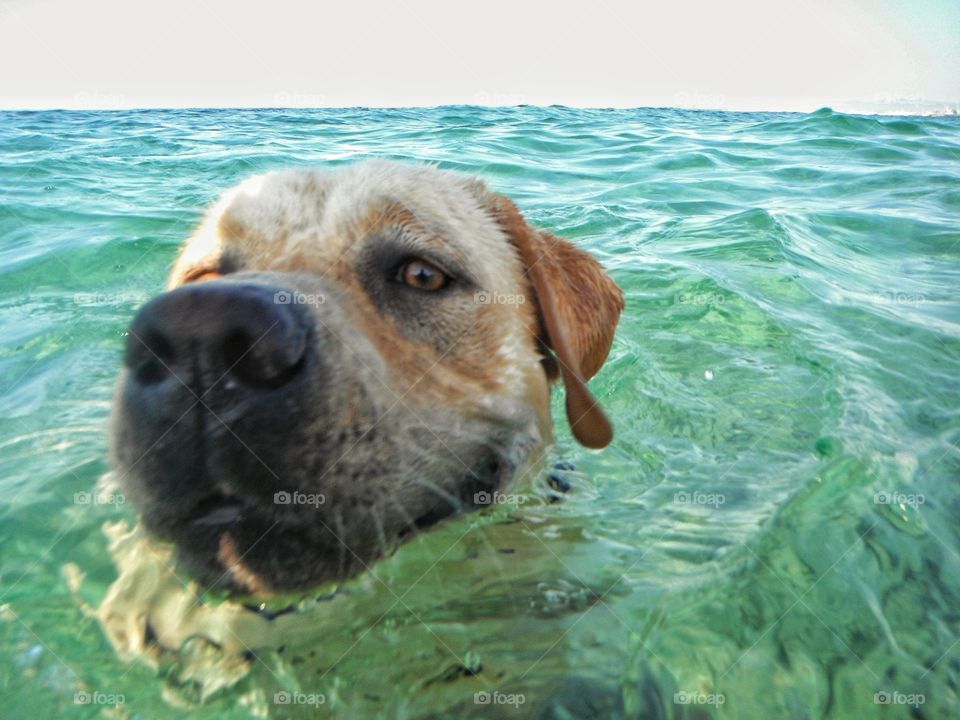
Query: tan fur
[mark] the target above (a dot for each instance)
(579, 306)
(417, 399)
(312, 221)
(233, 562)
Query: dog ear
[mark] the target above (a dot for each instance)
(579, 306)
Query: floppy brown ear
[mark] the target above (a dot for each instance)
(579, 306)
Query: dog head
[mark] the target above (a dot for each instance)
(344, 358)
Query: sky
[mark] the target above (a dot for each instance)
(854, 55)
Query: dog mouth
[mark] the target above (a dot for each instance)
(236, 530)
(217, 510)
(214, 538)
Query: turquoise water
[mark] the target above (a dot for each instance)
(772, 534)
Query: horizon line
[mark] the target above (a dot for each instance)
(898, 106)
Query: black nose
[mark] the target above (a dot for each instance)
(205, 332)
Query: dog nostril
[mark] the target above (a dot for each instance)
(206, 331)
(150, 357)
(268, 361)
(236, 346)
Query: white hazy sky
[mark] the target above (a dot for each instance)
(738, 54)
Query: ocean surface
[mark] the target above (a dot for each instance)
(772, 534)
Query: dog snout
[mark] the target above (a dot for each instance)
(213, 331)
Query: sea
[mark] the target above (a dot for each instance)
(773, 533)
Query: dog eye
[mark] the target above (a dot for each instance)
(422, 275)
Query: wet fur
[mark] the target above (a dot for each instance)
(422, 401)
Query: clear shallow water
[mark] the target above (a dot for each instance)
(773, 532)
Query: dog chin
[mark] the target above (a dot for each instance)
(226, 561)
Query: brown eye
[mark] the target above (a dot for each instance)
(422, 275)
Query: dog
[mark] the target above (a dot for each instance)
(345, 358)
